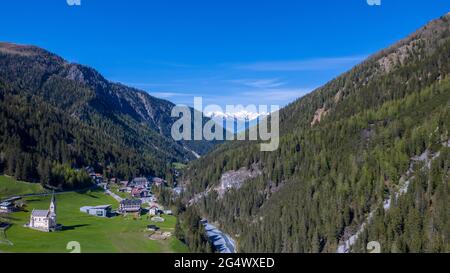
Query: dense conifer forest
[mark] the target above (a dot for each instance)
(382, 134)
(367, 154)
(57, 117)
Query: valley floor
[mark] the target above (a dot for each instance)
(105, 235)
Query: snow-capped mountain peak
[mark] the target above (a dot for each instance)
(239, 115)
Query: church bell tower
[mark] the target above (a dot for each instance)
(52, 211)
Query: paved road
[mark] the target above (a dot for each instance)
(222, 242)
(115, 196)
(48, 193)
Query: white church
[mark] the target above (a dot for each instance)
(44, 220)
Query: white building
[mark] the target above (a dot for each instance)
(44, 220)
(100, 211)
(130, 206)
(168, 212)
(153, 210)
(6, 207)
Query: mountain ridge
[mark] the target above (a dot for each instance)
(114, 114)
(343, 150)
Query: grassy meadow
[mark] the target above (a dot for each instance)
(105, 235)
(10, 187)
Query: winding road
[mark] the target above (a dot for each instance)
(222, 242)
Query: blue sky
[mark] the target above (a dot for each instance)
(228, 51)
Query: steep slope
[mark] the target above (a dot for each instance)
(344, 150)
(54, 111)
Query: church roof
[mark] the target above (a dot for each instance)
(40, 213)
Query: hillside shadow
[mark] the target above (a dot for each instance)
(215, 238)
(65, 228)
(34, 200)
(9, 218)
(4, 226)
(89, 192)
(91, 195)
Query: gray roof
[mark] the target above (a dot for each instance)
(128, 202)
(140, 180)
(40, 213)
(102, 207)
(97, 207)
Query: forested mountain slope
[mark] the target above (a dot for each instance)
(345, 149)
(56, 113)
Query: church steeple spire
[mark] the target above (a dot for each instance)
(52, 213)
(53, 205)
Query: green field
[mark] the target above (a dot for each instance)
(105, 235)
(10, 187)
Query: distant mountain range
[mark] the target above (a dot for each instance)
(56, 112)
(363, 158)
(236, 122)
(239, 115)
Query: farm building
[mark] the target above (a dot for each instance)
(139, 182)
(113, 180)
(126, 189)
(100, 211)
(158, 181)
(123, 183)
(130, 205)
(154, 210)
(96, 177)
(140, 192)
(168, 212)
(6, 207)
(153, 228)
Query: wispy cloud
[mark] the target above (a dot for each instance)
(167, 95)
(303, 65)
(278, 94)
(259, 83)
